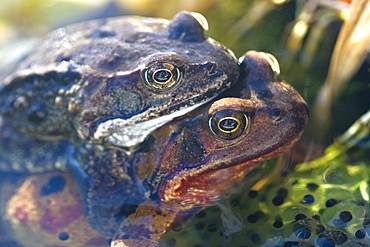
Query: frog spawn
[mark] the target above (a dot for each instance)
(303, 209)
(324, 207)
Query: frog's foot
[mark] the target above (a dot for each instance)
(134, 242)
(146, 225)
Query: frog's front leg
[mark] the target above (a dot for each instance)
(148, 223)
(107, 185)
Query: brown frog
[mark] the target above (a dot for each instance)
(113, 81)
(195, 161)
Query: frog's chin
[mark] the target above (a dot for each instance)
(129, 133)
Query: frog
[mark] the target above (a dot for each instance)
(113, 81)
(190, 163)
(198, 160)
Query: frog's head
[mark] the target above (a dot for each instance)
(115, 80)
(218, 145)
(173, 68)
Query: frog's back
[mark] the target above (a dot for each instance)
(96, 43)
(121, 43)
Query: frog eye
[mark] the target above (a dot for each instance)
(228, 124)
(162, 76)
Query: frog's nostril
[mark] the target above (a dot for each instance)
(211, 69)
(277, 114)
(263, 94)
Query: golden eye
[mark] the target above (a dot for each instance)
(162, 76)
(228, 124)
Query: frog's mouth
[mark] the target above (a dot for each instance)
(128, 133)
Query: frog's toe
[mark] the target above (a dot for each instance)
(134, 243)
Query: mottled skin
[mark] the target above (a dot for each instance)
(89, 94)
(113, 81)
(194, 162)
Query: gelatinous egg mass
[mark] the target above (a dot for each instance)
(324, 203)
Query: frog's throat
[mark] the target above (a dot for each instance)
(127, 133)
